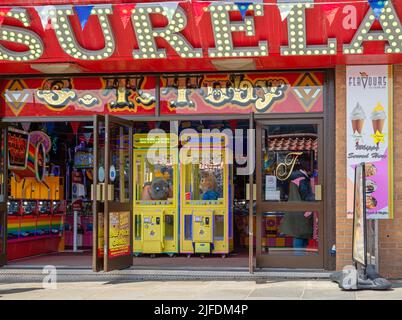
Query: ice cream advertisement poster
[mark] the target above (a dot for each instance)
(369, 136)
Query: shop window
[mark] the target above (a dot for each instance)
(290, 233)
(290, 163)
(154, 180)
(119, 170)
(204, 177)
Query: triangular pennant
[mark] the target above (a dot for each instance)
(43, 13)
(83, 13)
(377, 6)
(87, 136)
(75, 125)
(284, 9)
(170, 8)
(331, 15)
(199, 10)
(124, 11)
(25, 126)
(3, 13)
(330, 11)
(243, 7)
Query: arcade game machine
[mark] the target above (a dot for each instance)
(33, 197)
(206, 195)
(81, 203)
(156, 216)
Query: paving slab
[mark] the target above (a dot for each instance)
(194, 290)
(278, 292)
(328, 294)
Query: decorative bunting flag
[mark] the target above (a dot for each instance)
(330, 10)
(199, 10)
(233, 124)
(87, 136)
(243, 7)
(171, 8)
(151, 125)
(377, 6)
(43, 13)
(3, 13)
(284, 9)
(25, 126)
(124, 11)
(75, 125)
(83, 13)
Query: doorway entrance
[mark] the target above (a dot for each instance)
(136, 173)
(290, 173)
(112, 185)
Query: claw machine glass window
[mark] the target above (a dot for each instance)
(206, 185)
(156, 194)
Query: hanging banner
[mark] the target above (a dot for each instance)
(369, 136)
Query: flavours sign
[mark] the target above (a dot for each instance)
(369, 136)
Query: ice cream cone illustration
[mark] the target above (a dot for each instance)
(357, 125)
(357, 117)
(378, 117)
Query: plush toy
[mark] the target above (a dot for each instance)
(208, 186)
(158, 189)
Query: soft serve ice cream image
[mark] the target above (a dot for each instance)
(357, 117)
(378, 118)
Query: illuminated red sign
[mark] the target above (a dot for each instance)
(189, 38)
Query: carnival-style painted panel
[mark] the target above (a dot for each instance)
(242, 93)
(66, 96)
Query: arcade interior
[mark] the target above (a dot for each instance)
(184, 213)
(50, 217)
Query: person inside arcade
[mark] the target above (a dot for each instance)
(299, 225)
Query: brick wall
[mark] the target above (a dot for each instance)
(390, 231)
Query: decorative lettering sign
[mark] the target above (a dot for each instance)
(369, 136)
(78, 96)
(294, 92)
(243, 93)
(171, 21)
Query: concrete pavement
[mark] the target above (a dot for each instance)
(194, 290)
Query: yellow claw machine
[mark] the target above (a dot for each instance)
(206, 219)
(156, 216)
